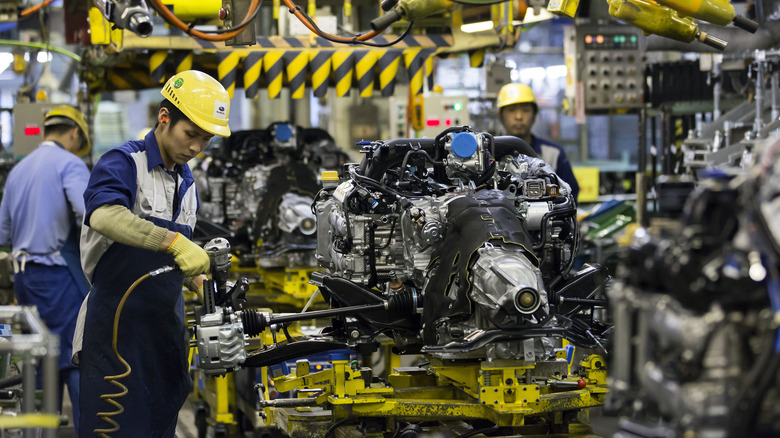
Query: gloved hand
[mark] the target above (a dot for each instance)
(191, 258)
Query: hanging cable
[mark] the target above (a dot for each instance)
(33, 9)
(173, 20)
(241, 25)
(309, 23)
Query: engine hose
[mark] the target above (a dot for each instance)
(114, 380)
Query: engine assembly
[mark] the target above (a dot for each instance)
(257, 188)
(458, 248)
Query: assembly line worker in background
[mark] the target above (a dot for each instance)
(517, 110)
(141, 206)
(40, 215)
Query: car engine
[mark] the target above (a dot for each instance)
(474, 233)
(256, 188)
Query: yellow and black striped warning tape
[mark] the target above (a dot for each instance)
(294, 61)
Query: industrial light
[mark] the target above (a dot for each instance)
(476, 27)
(457, 106)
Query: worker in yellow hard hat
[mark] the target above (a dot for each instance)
(517, 110)
(40, 216)
(141, 206)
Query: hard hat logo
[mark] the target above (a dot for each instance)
(220, 110)
(178, 83)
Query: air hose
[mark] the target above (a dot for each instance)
(114, 380)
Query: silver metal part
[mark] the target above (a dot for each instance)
(507, 287)
(295, 214)
(533, 212)
(221, 343)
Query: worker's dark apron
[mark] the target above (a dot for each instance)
(151, 339)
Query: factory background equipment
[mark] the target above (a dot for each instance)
(699, 300)
(417, 218)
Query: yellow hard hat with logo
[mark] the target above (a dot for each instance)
(68, 115)
(202, 99)
(511, 94)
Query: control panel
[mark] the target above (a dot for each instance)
(438, 112)
(28, 126)
(442, 112)
(610, 67)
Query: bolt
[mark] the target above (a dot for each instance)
(495, 390)
(525, 388)
(525, 400)
(355, 334)
(483, 390)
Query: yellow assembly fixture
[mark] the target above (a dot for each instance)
(653, 18)
(564, 8)
(187, 10)
(719, 12)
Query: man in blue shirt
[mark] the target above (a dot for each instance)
(41, 211)
(141, 207)
(517, 110)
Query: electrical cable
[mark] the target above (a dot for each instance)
(67, 53)
(238, 26)
(357, 39)
(114, 380)
(33, 9)
(335, 39)
(173, 20)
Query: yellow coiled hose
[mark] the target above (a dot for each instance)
(114, 380)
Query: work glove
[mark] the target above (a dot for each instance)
(191, 258)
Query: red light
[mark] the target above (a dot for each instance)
(32, 130)
(447, 122)
(432, 122)
(588, 39)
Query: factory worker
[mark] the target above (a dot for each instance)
(40, 214)
(517, 110)
(141, 206)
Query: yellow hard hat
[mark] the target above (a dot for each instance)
(511, 94)
(202, 99)
(67, 115)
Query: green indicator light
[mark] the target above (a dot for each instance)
(617, 39)
(457, 107)
(633, 38)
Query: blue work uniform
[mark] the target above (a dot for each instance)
(151, 335)
(555, 156)
(40, 213)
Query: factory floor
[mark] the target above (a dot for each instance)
(602, 425)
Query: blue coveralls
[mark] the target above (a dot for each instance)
(555, 156)
(41, 210)
(152, 335)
